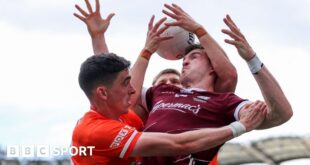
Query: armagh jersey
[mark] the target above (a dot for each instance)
(175, 110)
(113, 140)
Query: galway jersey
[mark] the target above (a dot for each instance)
(112, 140)
(176, 110)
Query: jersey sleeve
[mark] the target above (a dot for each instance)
(114, 139)
(234, 104)
(146, 98)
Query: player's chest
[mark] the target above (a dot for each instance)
(186, 102)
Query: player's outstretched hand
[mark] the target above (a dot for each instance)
(238, 39)
(95, 24)
(153, 38)
(181, 18)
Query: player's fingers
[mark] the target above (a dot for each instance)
(110, 16)
(150, 25)
(156, 26)
(79, 17)
(81, 11)
(90, 10)
(171, 15)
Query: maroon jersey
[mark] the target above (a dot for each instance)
(175, 110)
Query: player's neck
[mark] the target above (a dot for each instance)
(205, 85)
(104, 110)
(209, 88)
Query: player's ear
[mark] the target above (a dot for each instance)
(212, 71)
(102, 92)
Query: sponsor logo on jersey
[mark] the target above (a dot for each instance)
(176, 106)
(120, 136)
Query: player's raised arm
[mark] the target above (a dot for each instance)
(153, 39)
(279, 109)
(96, 26)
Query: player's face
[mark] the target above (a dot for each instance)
(169, 78)
(118, 96)
(196, 65)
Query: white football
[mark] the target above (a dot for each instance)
(174, 49)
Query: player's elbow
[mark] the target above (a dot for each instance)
(232, 81)
(288, 113)
(233, 77)
(227, 83)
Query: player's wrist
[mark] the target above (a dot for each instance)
(237, 128)
(97, 37)
(255, 64)
(146, 54)
(200, 32)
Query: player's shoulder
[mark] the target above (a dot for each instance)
(95, 123)
(97, 130)
(106, 130)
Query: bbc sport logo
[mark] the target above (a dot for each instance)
(44, 151)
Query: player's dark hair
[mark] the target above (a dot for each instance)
(100, 70)
(192, 47)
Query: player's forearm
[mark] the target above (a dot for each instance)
(99, 45)
(279, 109)
(163, 144)
(226, 72)
(204, 139)
(138, 73)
